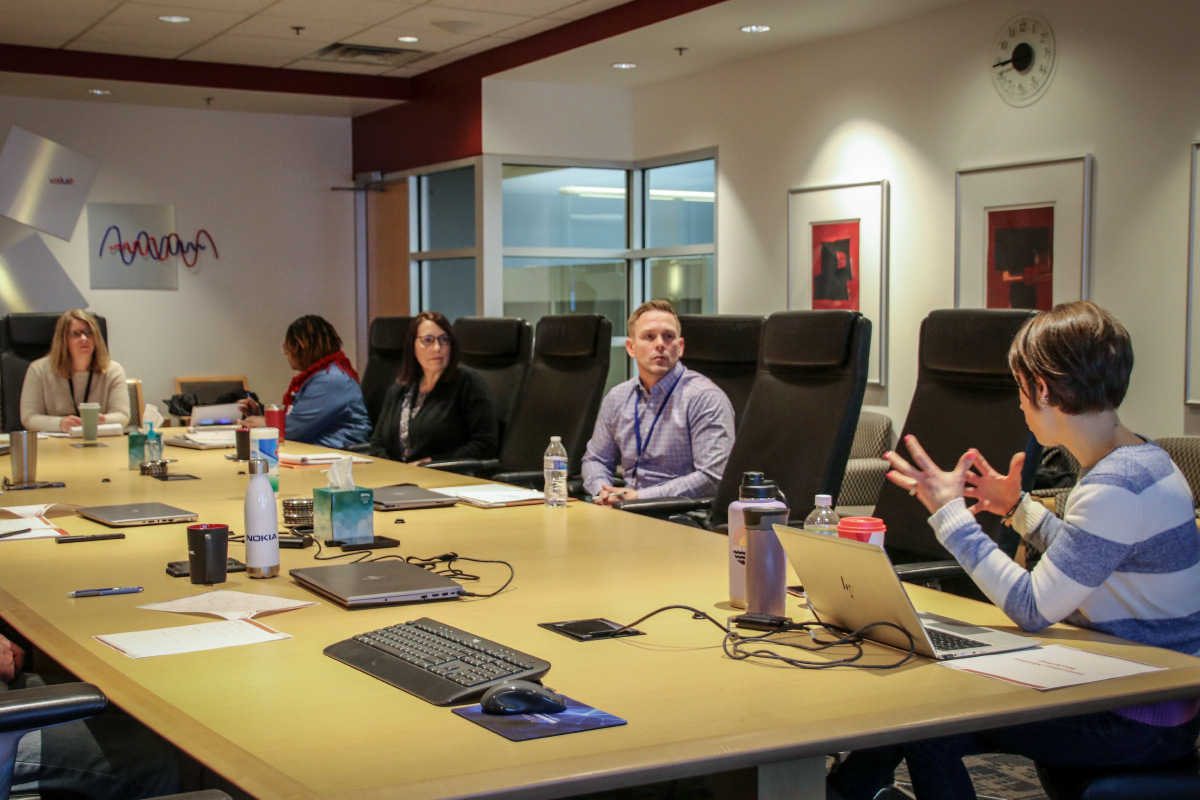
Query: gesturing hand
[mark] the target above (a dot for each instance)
(994, 492)
(933, 487)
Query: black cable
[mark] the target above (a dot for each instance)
(696, 614)
(361, 554)
(451, 571)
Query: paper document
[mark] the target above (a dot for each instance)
(212, 437)
(107, 429)
(41, 529)
(492, 495)
(35, 511)
(227, 604)
(1051, 667)
(190, 638)
(319, 458)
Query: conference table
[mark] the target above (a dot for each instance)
(281, 720)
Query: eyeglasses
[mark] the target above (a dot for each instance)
(81, 334)
(428, 341)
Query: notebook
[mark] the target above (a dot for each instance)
(408, 495)
(128, 514)
(376, 583)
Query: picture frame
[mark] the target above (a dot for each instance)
(838, 247)
(1023, 234)
(1191, 383)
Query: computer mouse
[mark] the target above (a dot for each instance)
(522, 697)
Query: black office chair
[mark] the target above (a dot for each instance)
(561, 398)
(24, 338)
(965, 397)
(500, 349)
(1176, 780)
(385, 357)
(724, 349)
(25, 710)
(800, 419)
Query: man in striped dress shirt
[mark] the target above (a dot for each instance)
(670, 429)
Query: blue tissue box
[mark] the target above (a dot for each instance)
(344, 515)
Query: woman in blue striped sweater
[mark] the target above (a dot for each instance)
(1124, 559)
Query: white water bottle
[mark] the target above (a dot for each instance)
(823, 518)
(554, 471)
(262, 523)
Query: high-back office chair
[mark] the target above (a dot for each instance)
(500, 349)
(866, 468)
(561, 398)
(25, 337)
(801, 416)
(25, 710)
(965, 397)
(724, 349)
(1185, 452)
(1176, 780)
(385, 357)
(137, 402)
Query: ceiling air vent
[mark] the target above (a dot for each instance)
(365, 54)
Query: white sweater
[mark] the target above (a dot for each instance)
(46, 396)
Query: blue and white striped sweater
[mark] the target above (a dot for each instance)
(1125, 560)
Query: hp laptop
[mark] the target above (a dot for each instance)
(376, 583)
(129, 514)
(851, 584)
(407, 495)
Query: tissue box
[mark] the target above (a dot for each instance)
(344, 515)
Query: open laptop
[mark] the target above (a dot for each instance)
(408, 495)
(851, 584)
(129, 514)
(376, 583)
(225, 416)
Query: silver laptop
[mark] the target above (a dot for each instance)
(407, 495)
(225, 416)
(129, 514)
(851, 584)
(376, 583)
(183, 441)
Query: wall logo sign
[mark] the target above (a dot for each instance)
(145, 246)
(135, 246)
(63, 181)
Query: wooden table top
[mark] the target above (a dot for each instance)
(281, 720)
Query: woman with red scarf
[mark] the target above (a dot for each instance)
(324, 402)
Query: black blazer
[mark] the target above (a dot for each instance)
(457, 420)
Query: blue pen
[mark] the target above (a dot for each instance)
(105, 592)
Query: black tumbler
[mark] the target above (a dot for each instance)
(208, 550)
(241, 437)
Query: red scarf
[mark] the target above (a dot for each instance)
(337, 359)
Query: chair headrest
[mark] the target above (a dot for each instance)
(37, 329)
(721, 338)
(387, 333)
(489, 336)
(567, 335)
(970, 341)
(814, 339)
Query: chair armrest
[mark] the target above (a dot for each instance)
(43, 706)
(361, 449)
(465, 466)
(532, 479)
(929, 570)
(663, 506)
(864, 478)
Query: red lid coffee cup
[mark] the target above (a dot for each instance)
(862, 529)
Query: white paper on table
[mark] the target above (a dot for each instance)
(1053, 666)
(490, 495)
(212, 437)
(319, 458)
(227, 604)
(35, 511)
(107, 429)
(41, 529)
(190, 638)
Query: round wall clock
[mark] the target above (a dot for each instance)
(1023, 59)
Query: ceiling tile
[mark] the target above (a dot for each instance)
(529, 8)
(334, 66)
(402, 72)
(437, 60)
(366, 12)
(478, 46)
(232, 46)
(14, 26)
(529, 28)
(431, 40)
(248, 59)
(147, 16)
(11, 37)
(168, 37)
(90, 10)
(586, 9)
(320, 31)
(422, 19)
(244, 6)
(147, 49)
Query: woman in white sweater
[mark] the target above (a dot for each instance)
(78, 370)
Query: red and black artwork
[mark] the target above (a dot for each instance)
(1020, 263)
(835, 265)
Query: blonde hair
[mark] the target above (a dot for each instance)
(648, 306)
(60, 352)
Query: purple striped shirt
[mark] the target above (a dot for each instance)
(689, 447)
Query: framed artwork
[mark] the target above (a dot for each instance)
(1023, 234)
(1191, 387)
(838, 256)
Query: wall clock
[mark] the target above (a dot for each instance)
(1023, 59)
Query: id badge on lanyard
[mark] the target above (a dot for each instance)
(637, 426)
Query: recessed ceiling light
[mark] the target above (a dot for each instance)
(99, 91)
(173, 18)
(624, 65)
(755, 28)
(407, 39)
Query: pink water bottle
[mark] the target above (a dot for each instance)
(755, 490)
(276, 417)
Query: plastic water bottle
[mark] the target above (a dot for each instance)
(262, 523)
(823, 518)
(153, 444)
(554, 470)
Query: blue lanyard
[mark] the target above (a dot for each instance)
(637, 424)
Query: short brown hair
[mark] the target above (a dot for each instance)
(311, 338)
(60, 353)
(412, 371)
(651, 305)
(1082, 352)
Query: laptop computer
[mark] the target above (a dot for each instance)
(203, 441)
(851, 584)
(129, 514)
(408, 495)
(226, 415)
(376, 583)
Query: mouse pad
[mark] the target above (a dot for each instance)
(523, 727)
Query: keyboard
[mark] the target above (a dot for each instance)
(436, 662)
(948, 642)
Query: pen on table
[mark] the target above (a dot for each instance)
(14, 533)
(104, 592)
(99, 537)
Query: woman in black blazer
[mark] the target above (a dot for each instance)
(437, 410)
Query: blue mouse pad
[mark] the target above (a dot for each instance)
(523, 727)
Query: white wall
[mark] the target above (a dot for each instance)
(913, 103)
(260, 185)
(550, 119)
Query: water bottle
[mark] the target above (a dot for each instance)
(262, 523)
(823, 518)
(264, 444)
(766, 563)
(554, 470)
(755, 490)
(153, 444)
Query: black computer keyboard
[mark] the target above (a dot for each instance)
(948, 642)
(439, 664)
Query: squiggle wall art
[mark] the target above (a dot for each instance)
(135, 246)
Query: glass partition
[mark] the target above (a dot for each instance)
(679, 204)
(564, 207)
(448, 209)
(689, 282)
(448, 286)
